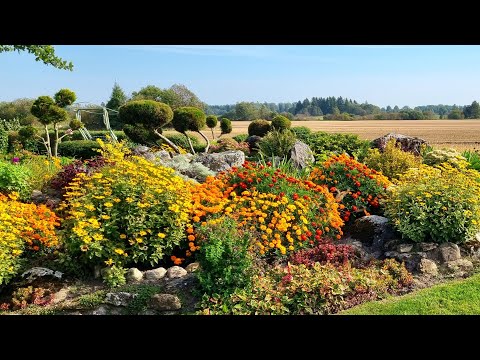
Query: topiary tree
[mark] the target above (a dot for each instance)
(259, 127)
(281, 123)
(189, 118)
(212, 122)
(149, 115)
(225, 126)
(49, 112)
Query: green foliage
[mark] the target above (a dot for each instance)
(211, 121)
(27, 132)
(473, 159)
(41, 108)
(225, 126)
(149, 92)
(317, 290)
(144, 294)
(27, 138)
(3, 141)
(224, 257)
(451, 156)
(277, 143)
(281, 123)
(227, 144)
(16, 113)
(302, 132)
(188, 118)
(75, 124)
(455, 114)
(14, 142)
(117, 98)
(140, 135)
(64, 97)
(44, 53)
(10, 125)
(149, 113)
(436, 204)
(80, 149)
(114, 276)
(240, 138)
(15, 177)
(259, 127)
(92, 300)
(324, 143)
(392, 161)
(181, 140)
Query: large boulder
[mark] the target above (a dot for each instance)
(176, 272)
(165, 302)
(223, 161)
(40, 272)
(449, 252)
(372, 230)
(134, 275)
(428, 267)
(155, 274)
(407, 143)
(119, 298)
(301, 155)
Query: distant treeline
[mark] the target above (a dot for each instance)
(342, 109)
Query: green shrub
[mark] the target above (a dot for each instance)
(302, 132)
(151, 114)
(212, 122)
(225, 126)
(324, 143)
(473, 159)
(181, 140)
(393, 161)
(188, 118)
(15, 177)
(14, 142)
(259, 127)
(277, 143)
(224, 258)
(81, 149)
(281, 123)
(3, 141)
(140, 135)
(10, 125)
(436, 204)
(451, 156)
(240, 138)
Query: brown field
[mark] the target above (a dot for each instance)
(459, 134)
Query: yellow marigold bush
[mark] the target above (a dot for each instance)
(23, 227)
(393, 161)
(130, 212)
(437, 204)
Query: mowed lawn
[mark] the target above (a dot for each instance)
(460, 134)
(459, 297)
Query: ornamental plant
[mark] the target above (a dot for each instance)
(393, 161)
(14, 177)
(281, 212)
(357, 188)
(24, 228)
(436, 204)
(451, 156)
(320, 289)
(133, 212)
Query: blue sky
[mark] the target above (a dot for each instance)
(225, 74)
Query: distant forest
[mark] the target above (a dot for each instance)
(332, 108)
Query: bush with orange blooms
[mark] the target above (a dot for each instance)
(23, 227)
(357, 188)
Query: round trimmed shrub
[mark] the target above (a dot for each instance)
(226, 126)
(281, 123)
(188, 118)
(259, 127)
(211, 121)
(65, 97)
(151, 114)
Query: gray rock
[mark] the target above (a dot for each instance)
(38, 197)
(192, 267)
(101, 310)
(477, 236)
(40, 272)
(301, 155)
(140, 150)
(119, 298)
(223, 161)
(60, 296)
(449, 252)
(162, 155)
(372, 230)
(165, 302)
(407, 143)
(149, 156)
(134, 275)
(428, 267)
(176, 272)
(460, 265)
(155, 274)
(404, 248)
(182, 285)
(428, 246)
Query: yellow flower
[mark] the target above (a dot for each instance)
(143, 233)
(109, 262)
(108, 204)
(123, 236)
(129, 200)
(119, 251)
(161, 235)
(105, 217)
(117, 200)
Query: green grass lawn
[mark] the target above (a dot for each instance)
(459, 297)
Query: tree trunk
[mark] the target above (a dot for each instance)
(213, 135)
(174, 147)
(206, 139)
(47, 144)
(190, 143)
(55, 146)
